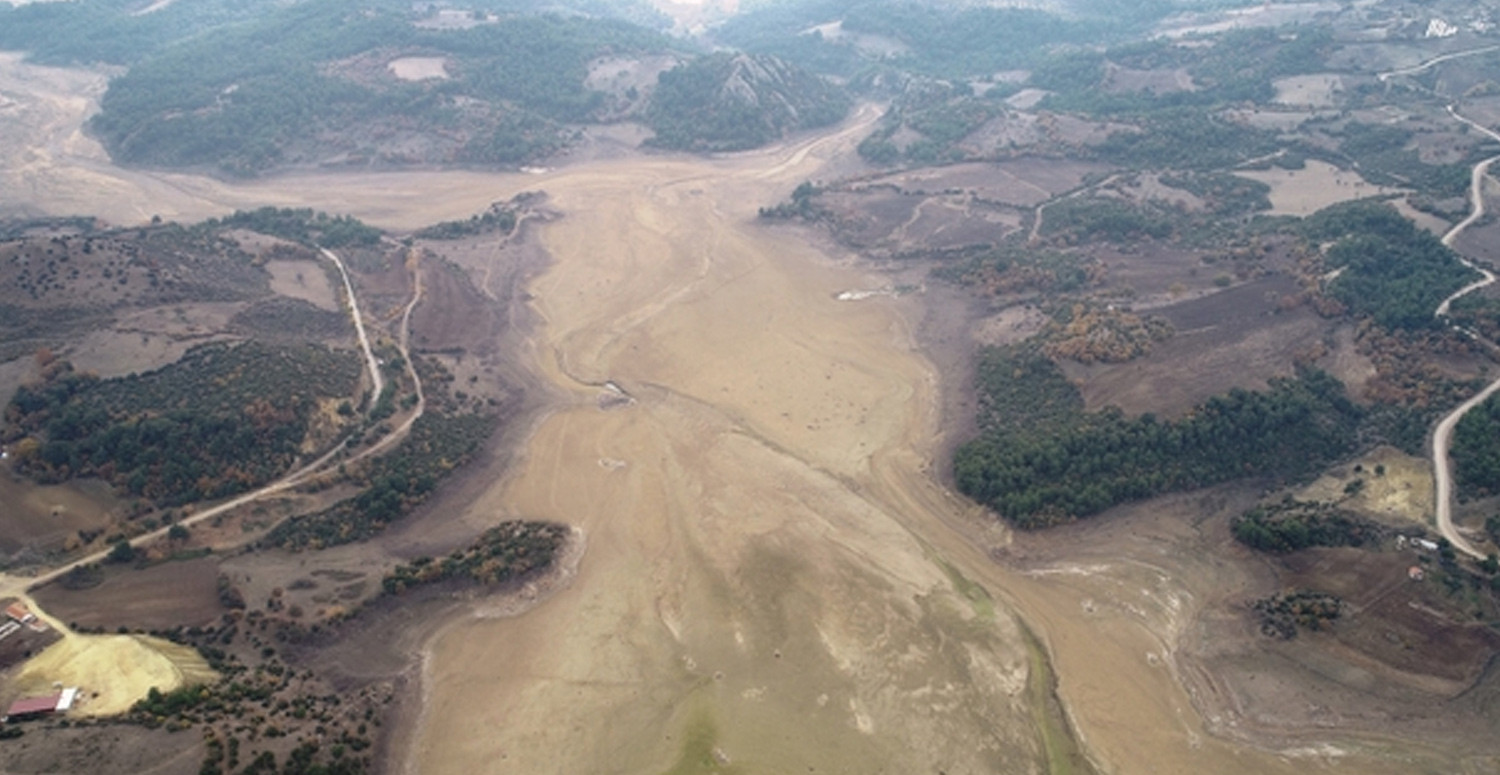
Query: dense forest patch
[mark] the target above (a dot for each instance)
(1077, 464)
(1476, 450)
(728, 102)
(290, 95)
(945, 42)
(224, 419)
(1388, 268)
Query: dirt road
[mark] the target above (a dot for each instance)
(1442, 436)
(359, 324)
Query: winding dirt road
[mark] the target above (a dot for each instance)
(1442, 436)
(19, 586)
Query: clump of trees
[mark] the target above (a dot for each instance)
(497, 218)
(395, 483)
(1284, 612)
(1291, 525)
(1222, 193)
(1011, 267)
(511, 550)
(1090, 334)
(301, 225)
(1104, 218)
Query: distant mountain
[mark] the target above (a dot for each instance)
(728, 102)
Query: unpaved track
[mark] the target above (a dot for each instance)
(1442, 436)
(359, 324)
(20, 585)
(761, 573)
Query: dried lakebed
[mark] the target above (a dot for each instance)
(774, 580)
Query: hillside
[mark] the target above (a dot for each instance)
(730, 102)
(350, 83)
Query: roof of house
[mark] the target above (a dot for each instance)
(30, 705)
(17, 611)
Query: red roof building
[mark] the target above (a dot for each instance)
(33, 707)
(19, 612)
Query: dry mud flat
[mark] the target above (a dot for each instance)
(740, 601)
(774, 581)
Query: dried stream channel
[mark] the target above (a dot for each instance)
(774, 581)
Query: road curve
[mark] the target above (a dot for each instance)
(1417, 68)
(359, 326)
(1442, 436)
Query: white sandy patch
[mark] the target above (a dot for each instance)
(419, 68)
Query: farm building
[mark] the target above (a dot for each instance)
(20, 613)
(36, 707)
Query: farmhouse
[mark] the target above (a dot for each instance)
(19, 613)
(37, 707)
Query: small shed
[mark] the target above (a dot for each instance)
(1415, 573)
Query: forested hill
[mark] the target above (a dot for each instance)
(728, 102)
(353, 82)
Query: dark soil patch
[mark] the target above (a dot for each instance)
(42, 519)
(453, 314)
(157, 598)
(113, 750)
(1235, 338)
(1412, 626)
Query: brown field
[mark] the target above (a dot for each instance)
(1401, 497)
(454, 315)
(1234, 338)
(773, 576)
(118, 750)
(1314, 187)
(111, 671)
(161, 597)
(305, 280)
(1123, 79)
(419, 68)
(44, 517)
